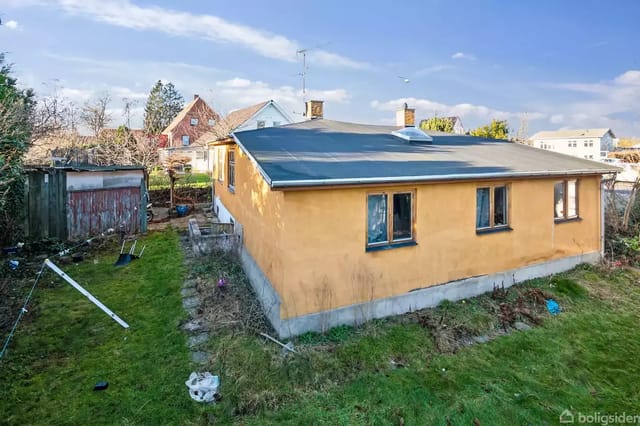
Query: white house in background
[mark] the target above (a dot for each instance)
(591, 144)
(458, 128)
(264, 114)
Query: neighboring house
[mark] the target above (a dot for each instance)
(258, 116)
(344, 222)
(79, 202)
(195, 119)
(590, 144)
(458, 128)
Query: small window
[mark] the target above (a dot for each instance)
(261, 124)
(231, 169)
(586, 144)
(390, 218)
(565, 200)
(185, 140)
(194, 121)
(212, 122)
(492, 207)
(276, 123)
(220, 165)
(201, 155)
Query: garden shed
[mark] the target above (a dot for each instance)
(81, 201)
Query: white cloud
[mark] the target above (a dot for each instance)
(124, 13)
(611, 103)
(471, 114)
(12, 25)
(462, 55)
(239, 93)
(556, 118)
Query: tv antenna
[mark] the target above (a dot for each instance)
(303, 74)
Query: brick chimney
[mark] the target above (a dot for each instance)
(314, 109)
(406, 117)
(196, 96)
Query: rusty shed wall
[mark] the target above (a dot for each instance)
(94, 211)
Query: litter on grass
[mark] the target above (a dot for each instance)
(553, 307)
(203, 387)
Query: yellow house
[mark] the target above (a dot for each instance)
(344, 222)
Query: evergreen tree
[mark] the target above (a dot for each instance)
(17, 108)
(163, 104)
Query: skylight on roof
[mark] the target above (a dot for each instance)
(412, 134)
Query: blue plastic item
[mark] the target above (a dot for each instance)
(182, 209)
(553, 307)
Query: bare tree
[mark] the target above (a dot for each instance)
(94, 114)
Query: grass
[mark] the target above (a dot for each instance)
(384, 372)
(67, 344)
(195, 180)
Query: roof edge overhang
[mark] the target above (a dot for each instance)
(320, 183)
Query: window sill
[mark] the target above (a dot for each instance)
(391, 246)
(493, 230)
(570, 219)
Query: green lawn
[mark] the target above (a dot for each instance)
(66, 345)
(195, 180)
(385, 372)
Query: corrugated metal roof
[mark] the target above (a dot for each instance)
(324, 152)
(571, 133)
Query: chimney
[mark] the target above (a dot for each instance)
(196, 96)
(406, 117)
(314, 109)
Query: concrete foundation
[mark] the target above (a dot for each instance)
(395, 305)
(206, 239)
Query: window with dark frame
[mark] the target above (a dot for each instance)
(185, 140)
(565, 200)
(390, 218)
(231, 169)
(261, 124)
(194, 121)
(492, 207)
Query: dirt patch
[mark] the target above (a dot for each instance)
(454, 326)
(227, 302)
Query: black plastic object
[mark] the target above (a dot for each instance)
(125, 259)
(101, 386)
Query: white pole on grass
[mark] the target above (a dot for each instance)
(88, 295)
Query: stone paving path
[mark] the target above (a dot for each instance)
(197, 331)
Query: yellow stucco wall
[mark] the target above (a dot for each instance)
(259, 211)
(311, 244)
(327, 265)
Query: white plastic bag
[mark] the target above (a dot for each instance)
(203, 386)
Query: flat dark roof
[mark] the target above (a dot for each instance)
(325, 152)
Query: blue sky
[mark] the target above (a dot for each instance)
(562, 64)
